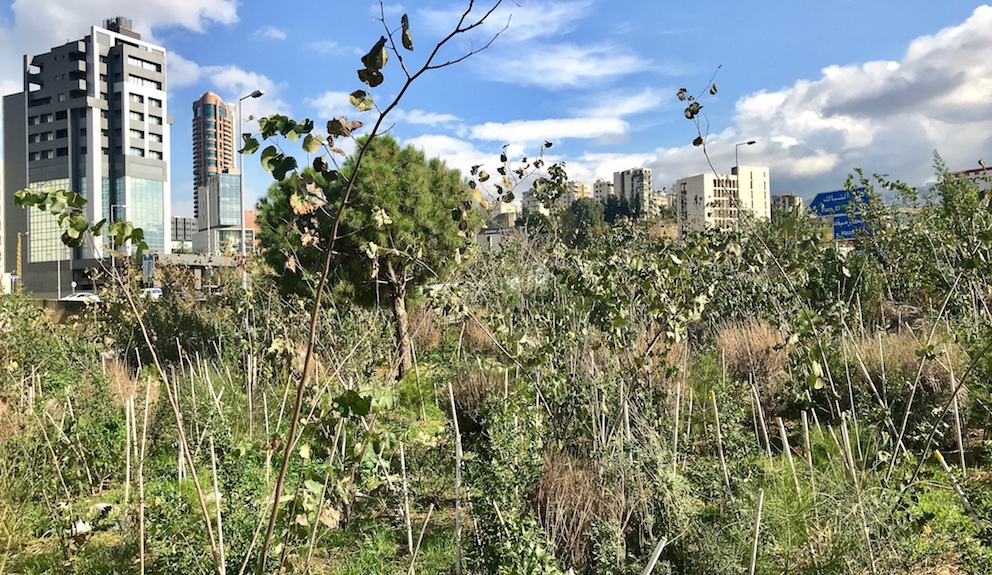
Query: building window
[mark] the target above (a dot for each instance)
(138, 80)
(154, 137)
(63, 133)
(138, 134)
(137, 152)
(137, 116)
(137, 98)
(155, 102)
(82, 151)
(155, 154)
(145, 64)
(61, 152)
(155, 120)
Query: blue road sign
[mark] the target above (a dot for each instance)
(843, 208)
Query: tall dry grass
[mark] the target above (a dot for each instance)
(755, 351)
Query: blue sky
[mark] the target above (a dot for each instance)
(823, 87)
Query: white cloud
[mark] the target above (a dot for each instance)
(530, 131)
(231, 83)
(423, 118)
(623, 103)
(271, 32)
(563, 66)
(324, 47)
(522, 22)
(333, 105)
(884, 116)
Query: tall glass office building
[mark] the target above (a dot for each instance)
(91, 118)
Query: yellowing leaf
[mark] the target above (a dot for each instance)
(305, 451)
(329, 516)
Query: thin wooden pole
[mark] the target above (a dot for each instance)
(458, 483)
(788, 453)
(757, 530)
(719, 440)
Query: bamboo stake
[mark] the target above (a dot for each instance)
(678, 423)
(788, 453)
(141, 481)
(806, 444)
(406, 501)
(662, 543)
(957, 489)
(761, 418)
(458, 483)
(757, 530)
(957, 416)
(719, 440)
(220, 525)
(420, 539)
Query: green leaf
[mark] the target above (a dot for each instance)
(312, 143)
(352, 404)
(371, 77)
(377, 56)
(407, 36)
(250, 144)
(284, 165)
(361, 100)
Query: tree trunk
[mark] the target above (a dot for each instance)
(401, 320)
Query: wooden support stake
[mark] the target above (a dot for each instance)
(719, 440)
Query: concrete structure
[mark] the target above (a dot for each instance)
(219, 217)
(634, 185)
(214, 144)
(576, 191)
(182, 234)
(981, 176)
(91, 118)
(501, 215)
(786, 204)
(708, 201)
(531, 204)
(602, 190)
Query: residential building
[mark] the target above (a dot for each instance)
(531, 204)
(709, 201)
(182, 234)
(214, 144)
(602, 190)
(575, 191)
(981, 176)
(501, 215)
(634, 186)
(783, 204)
(92, 118)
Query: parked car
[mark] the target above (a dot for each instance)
(151, 293)
(82, 296)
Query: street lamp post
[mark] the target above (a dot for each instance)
(241, 168)
(737, 148)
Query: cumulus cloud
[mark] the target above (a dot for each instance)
(421, 117)
(883, 116)
(558, 66)
(332, 104)
(531, 131)
(324, 47)
(231, 83)
(515, 22)
(271, 32)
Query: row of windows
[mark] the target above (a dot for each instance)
(139, 99)
(138, 62)
(140, 117)
(48, 154)
(138, 80)
(46, 118)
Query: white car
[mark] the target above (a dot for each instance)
(151, 293)
(82, 296)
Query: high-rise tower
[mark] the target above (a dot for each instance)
(213, 141)
(91, 118)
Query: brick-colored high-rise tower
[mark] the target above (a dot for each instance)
(214, 146)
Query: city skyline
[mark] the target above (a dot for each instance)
(822, 93)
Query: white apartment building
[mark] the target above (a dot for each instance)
(531, 204)
(501, 215)
(707, 201)
(575, 191)
(601, 190)
(634, 185)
